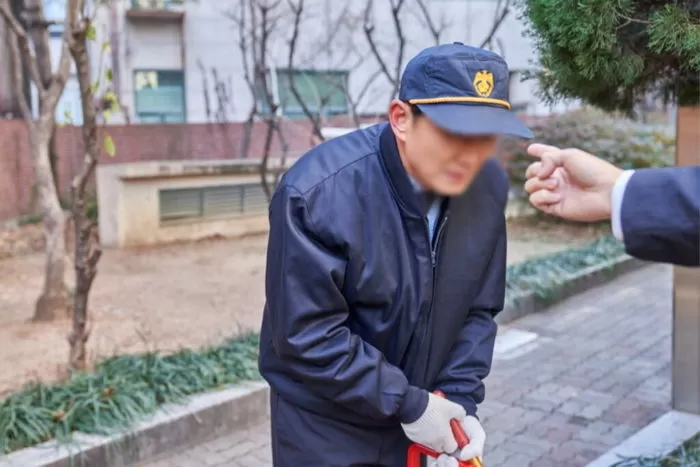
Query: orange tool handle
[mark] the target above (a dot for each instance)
(457, 429)
(416, 450)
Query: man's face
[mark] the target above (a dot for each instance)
(441, 162)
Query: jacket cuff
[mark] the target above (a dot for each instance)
(413, 405)
(465, 401)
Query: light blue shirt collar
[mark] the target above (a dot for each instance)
(416, 186)
(434, 211)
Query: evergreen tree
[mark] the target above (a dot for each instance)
(610, 53)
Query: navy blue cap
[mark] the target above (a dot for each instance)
(463, 90)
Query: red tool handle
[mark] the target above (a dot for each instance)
(416, 450)
(457, 429)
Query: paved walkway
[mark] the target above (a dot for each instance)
(566, 384)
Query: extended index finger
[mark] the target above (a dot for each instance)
(551, 157)
(539, 149)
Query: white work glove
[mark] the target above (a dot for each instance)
(477, 439)
(443, 461)
(432, 429)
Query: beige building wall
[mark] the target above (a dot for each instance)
(128, 196)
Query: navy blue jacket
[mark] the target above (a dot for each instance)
(660, 215)
(363, 314)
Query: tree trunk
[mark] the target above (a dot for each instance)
(39, 34)
(87, 248)
(53, 301)
(265, 161)
(53, 160)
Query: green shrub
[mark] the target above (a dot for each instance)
(542, 275)
(121, 391)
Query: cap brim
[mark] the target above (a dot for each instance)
(472, 120)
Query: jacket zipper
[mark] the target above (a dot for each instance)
(425, 318)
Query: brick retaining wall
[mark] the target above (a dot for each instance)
(134, 143)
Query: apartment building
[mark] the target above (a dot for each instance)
(181, 61)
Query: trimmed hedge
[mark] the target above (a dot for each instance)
(125, 389)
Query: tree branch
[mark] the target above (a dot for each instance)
(368, 28)
(434, 30)
(395, 14)
(205, 89)
(297, 10)
(58, 81)
(18, 80)
(23, 41)
(366, 87)
(394, 79)
(78, 49)
(498, 20)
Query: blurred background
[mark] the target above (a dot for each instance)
(194, 110)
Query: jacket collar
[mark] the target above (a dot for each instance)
(414, 201)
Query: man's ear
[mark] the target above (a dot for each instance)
(400, 118)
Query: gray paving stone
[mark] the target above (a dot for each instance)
(600, 373)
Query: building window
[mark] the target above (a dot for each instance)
(55, 12)
(201, 203)
(159, 96)
(323, 92)
(155, 4)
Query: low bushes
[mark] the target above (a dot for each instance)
(544, 274)
(121, 391)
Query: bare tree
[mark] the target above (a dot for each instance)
(256, 21)
(315, 117)
(87, 251)
(218, 102)
(216, 108)
(435, 27)
(500, 14)
(393, 75)
(240, 17)
(32, 44)
(355, 97)
(354, 100)
(205, 90)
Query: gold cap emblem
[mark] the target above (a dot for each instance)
(483, 83)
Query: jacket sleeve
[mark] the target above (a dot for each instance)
(660, 215)
(308, 312)
(469, 362)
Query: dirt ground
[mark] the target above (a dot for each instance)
(166, 298)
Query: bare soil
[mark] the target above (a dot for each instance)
(166, 298)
